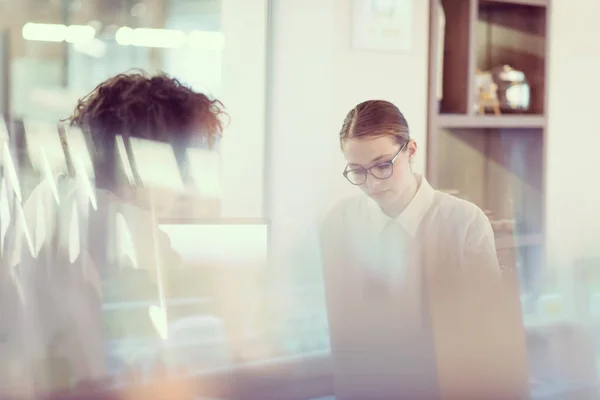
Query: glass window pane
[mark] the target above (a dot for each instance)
(146, 292)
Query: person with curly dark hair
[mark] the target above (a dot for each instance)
(114, 252)
(157, 108)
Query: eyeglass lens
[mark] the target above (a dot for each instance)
(380, 171)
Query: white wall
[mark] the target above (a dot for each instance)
(398, 77)
(573, 169)
(244, 24)
(316, 79)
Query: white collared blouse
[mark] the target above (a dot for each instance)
(418, 300)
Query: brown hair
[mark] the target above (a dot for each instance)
(138, 105)
(375, 118)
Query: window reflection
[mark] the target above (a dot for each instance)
(155, 164)
(64, 50)
(165, 294)
(172, 286)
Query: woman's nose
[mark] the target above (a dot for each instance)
(372, 182)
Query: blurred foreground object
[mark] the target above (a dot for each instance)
(163, 385)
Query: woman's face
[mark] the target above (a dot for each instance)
(365, 153)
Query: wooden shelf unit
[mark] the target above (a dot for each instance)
(497, 162)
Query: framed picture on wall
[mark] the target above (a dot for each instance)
(382, 25)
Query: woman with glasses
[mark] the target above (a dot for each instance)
(415, 298)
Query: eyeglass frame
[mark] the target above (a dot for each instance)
(368, 170)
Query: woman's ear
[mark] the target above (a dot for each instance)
(412, 149)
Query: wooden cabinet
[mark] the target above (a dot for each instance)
(495, 161)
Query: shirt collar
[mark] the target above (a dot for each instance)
(412, 215)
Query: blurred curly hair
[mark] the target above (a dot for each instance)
(139, 105)
(152, 107)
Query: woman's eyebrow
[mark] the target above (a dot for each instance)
(381, 158)
(373, 161)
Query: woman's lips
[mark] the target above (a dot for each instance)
(379, 194)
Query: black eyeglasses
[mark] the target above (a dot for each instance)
(382, 170)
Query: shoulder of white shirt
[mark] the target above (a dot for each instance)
(447, 206)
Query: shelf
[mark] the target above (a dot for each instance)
(535, 3)
(510, 241)
(490, 121)
(515, 33)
